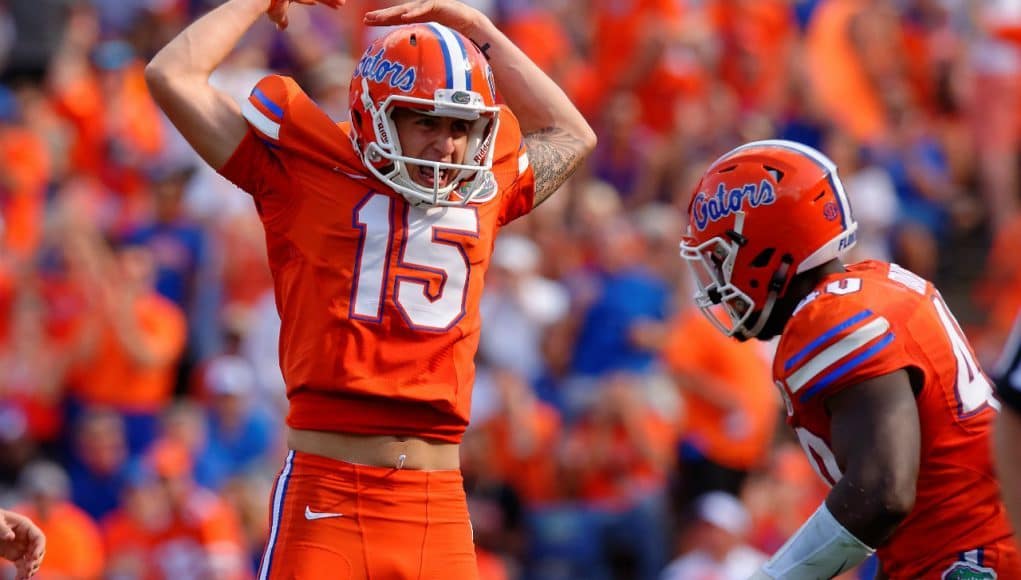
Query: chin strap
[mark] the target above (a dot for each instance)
(776, 284)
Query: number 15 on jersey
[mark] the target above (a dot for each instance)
(429, 248)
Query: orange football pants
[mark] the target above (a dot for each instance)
(341, 521)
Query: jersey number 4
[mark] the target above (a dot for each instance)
(972, 387)
(429, 247)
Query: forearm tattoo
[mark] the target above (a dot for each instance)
(554, 155)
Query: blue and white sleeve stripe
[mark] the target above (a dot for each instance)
(825, 337)
(267, 124)
(840, 358)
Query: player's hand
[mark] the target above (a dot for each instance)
(449, 13)
(22, 543)
(277, 11)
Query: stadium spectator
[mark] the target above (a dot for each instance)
(74, 547)
(131, 338)
(730, 408)
(169, 527)
(99, 464)
(719, 549)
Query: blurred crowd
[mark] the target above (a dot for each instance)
(615, 432)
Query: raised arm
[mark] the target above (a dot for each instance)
(557, 135)
(178, 76)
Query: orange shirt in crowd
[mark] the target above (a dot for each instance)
(24, 175)
(184, 547)
(836, 73)
(532, 475)
(34, 341)
(737, 438)
(7, 298)
(613, 470)
(999, 294)
(111, 377)
(620, 27)
(542, 37)
(758, 37)
(621, 34)
(74, 546)
(246, 275)
(786, 495)
(121, 111)
(491, 567)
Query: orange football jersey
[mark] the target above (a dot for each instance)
(872, 320)
(379, 299)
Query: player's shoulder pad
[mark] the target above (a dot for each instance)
(836, 331)
(283, 116)
(510, 158)
(268, 105)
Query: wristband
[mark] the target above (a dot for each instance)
(821, 548)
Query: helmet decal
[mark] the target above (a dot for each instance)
(711, 208)
(454, 57)
(376, 68)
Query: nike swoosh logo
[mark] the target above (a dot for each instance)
(311, 515)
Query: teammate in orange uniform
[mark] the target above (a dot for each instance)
(880, 384)
(379, 233)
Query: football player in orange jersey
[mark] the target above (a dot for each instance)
(880, 383)
(379, 234)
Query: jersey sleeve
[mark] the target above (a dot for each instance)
(836, 341)
(513, 172)
(283, 124)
